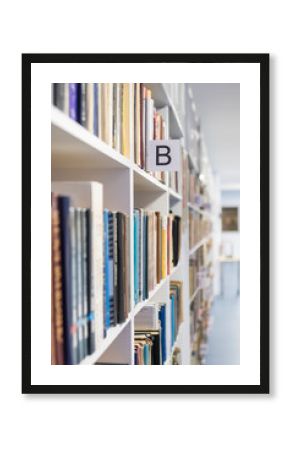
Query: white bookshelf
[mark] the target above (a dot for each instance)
(79, 155)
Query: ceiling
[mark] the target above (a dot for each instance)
(218, 107)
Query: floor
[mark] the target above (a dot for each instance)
(224, 335)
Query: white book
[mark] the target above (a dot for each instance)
(90, 195)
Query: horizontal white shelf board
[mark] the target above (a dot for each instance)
(143, 181)
(73, 146)
(199, 244)
(112, 334)
(199, 210)
(174, 195)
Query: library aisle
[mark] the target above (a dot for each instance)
(145, 264)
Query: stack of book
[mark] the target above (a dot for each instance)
(150, 335)
(90, 270)
(192, 187)
(105, 109)
(156, 249)
(176, 307)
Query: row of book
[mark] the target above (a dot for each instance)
(102, 108)
(90, 270)
(199, 226)
(157, 241)
(123, 115)
(150, 328)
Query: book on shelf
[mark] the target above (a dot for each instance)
(156, 249)
(176, 306)
(90, 270)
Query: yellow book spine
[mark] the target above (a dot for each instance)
(164, 248)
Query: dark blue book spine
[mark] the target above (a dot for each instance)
(106, 271)
(172, 298)
(162, 318)
(64, 210)
(96, 109)
(73, 101)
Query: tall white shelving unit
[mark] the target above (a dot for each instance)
(79, 155)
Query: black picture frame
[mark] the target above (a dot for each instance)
(263, 61)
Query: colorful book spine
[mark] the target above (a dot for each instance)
(74, 101)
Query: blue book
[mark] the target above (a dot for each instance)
(74, 101)
(172, 299)
(96, 109)
(136, 256)
(162, 318)
(64, 211)
(106, 271)
(146, 354)
(111, 304)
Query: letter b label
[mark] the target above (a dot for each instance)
(163, 155)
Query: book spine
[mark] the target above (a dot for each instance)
(96, 109)
(84, 263)
(106, 271)
(90, 107)
(121, 266)
(116, 263)
(74, 305)
(64, 208)
(73, 101)
(90, 291)
(83, 104)
(136, 257)
(59, 96)
(111, 271)
(127, 266)
(81, 344)
(57, 307)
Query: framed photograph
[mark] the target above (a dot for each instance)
(145, 223)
